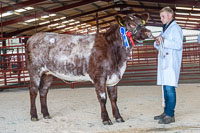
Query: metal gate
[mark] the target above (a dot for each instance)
(141, 70)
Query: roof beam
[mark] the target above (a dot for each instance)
(20, 5)
(181, 2)
(21, 19)
(68, 18)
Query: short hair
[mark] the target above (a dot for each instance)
(167, 9)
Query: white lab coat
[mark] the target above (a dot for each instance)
(168, 70)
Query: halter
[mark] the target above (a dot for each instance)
(129, 34)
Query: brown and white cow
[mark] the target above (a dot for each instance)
(99, 58)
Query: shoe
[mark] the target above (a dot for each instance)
(159, 116)
(166, 120)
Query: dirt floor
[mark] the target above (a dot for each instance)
(78, 111)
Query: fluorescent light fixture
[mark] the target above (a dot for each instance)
(194, 18)
(22, 23)
(180, 18)
(64, 22)
(76, 22)
(54, 25)
(193, 14)
(83, 24)
(181, 13)
(56, 19)
(61, 26)
(7, 14)
(31, 20)
(184, 8)
(71, 20)
(63, 18)
(20, 10)
(68, 28)
(52, 15)
(181, 21)
(70, 23)
(192, 22)
(71, 29)
(46, 16)
(46, 22)
(29, 8)
(196, 9)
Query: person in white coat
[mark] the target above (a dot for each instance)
(170, 47)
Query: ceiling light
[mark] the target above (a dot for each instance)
(56, 19)
(181, 21)
(182, 13)
(64, 22)
(196, 9)
(45, 16)
(46, 22)
(22, 23)
(71, 20)
(68, 28)
(29, 8)
(184, 8)
(52, 15)
(20, 10)
(193, 14)
(192, 22)
(54, 25)
(62, 17)
(61, 26)
(180, 18)
(31, 20)
(194, 18)
(7, 14)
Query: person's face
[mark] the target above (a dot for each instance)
(165, 17)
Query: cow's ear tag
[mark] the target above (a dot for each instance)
(119, 20)
(143, 22)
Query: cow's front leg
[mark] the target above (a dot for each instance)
(102, 97)
(112, 93)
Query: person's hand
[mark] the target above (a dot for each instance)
(158, 40)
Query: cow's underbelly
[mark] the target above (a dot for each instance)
(115, 78)
(70, 77)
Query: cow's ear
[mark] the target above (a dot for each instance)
(119, 20)
(145, 18)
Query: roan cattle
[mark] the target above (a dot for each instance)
(99, 58)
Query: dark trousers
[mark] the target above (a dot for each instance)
(170, 99)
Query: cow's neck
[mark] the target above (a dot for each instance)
(115, 40)
(116, 45)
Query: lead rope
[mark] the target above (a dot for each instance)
(162, 55)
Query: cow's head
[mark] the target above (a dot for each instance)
(135, 24)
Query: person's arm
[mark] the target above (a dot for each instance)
(177, 39)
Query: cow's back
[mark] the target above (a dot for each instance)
(59, 54)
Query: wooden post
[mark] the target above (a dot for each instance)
(97, 23)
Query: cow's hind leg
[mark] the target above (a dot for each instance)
(45, 83)
(33, 90)
(112, 93)
(102, 97)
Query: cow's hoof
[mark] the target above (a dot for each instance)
(34, 119)
(47, 117)
(119, 120)
(109, 122)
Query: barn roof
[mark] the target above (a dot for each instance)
(26, 17)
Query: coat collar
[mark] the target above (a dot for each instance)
(165, 26)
